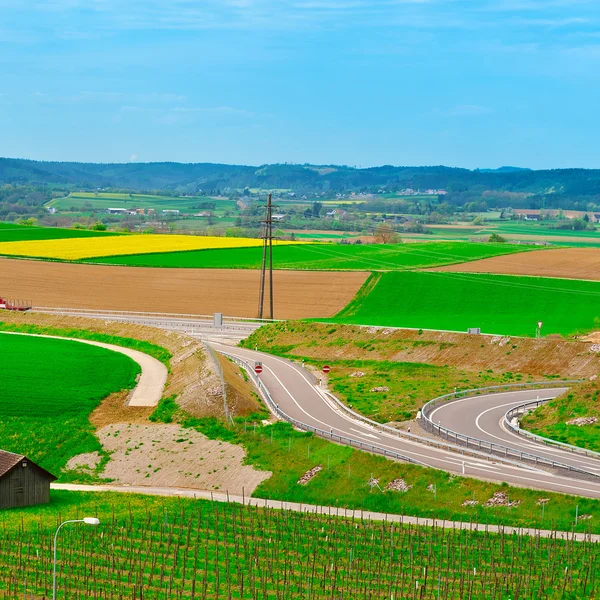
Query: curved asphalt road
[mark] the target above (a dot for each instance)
(294, 389)
(295, 392)
(482, 417)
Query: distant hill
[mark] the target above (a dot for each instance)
(552, 187)
(503, 170)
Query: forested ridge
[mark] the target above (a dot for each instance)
(560, 188)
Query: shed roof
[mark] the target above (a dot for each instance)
(9, 460)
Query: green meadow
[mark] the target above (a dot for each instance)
(11, 232)
(352, 257)
(49, 387)
(501, 304)
(101, 201)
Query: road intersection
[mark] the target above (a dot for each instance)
(298, 394)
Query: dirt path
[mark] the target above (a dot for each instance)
(344, 513)
(234, 292)
(570, 263)
(153, 377)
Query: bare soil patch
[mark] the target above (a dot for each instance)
(568, 263)
(114, 410)
(86, 462)
(242, 398)
(299, 294)
(171, 456)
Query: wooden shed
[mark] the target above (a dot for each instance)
(22, 482)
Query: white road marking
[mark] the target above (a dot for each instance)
(551, 480)
(540, 449)
(454, 402)
(364, 434)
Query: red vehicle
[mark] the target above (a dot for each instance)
(21, 305)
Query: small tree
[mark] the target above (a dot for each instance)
(385, 234)
(99, 226)
(496, 238)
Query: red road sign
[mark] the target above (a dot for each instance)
(326, 368)
(258, 368)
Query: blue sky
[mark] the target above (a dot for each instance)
(471, 83)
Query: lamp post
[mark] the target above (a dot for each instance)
(87, 521)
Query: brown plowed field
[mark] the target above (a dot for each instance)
(570, 263)
(298, 294)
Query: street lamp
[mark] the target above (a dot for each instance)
(87, 521)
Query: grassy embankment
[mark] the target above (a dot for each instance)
(410, 385)
(344, 480)
(159, 548)
(439, 362)
(551, 420)
(500, 304)
(49, 387)
(417, 366)
(370, 257)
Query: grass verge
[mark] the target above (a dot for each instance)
(346, 472)
(554, 420)
(394, 391)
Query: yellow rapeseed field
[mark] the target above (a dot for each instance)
(92, 247)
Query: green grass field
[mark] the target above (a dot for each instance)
(49, 387)
(324, 256)
(179, 548)
(410, 385)
(11, 232)
(501, 304)
(552, 420)
(102, 201)
(157, 352)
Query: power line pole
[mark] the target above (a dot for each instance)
(267, 245)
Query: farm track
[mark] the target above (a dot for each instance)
(153, 376)
(568, 263)
(300, 294)
(336, 511)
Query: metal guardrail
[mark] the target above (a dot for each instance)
(491, 447)
(515, 428)
(419, 439)
(126, 313)
(328, 435)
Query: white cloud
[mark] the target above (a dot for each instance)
(89, 19)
